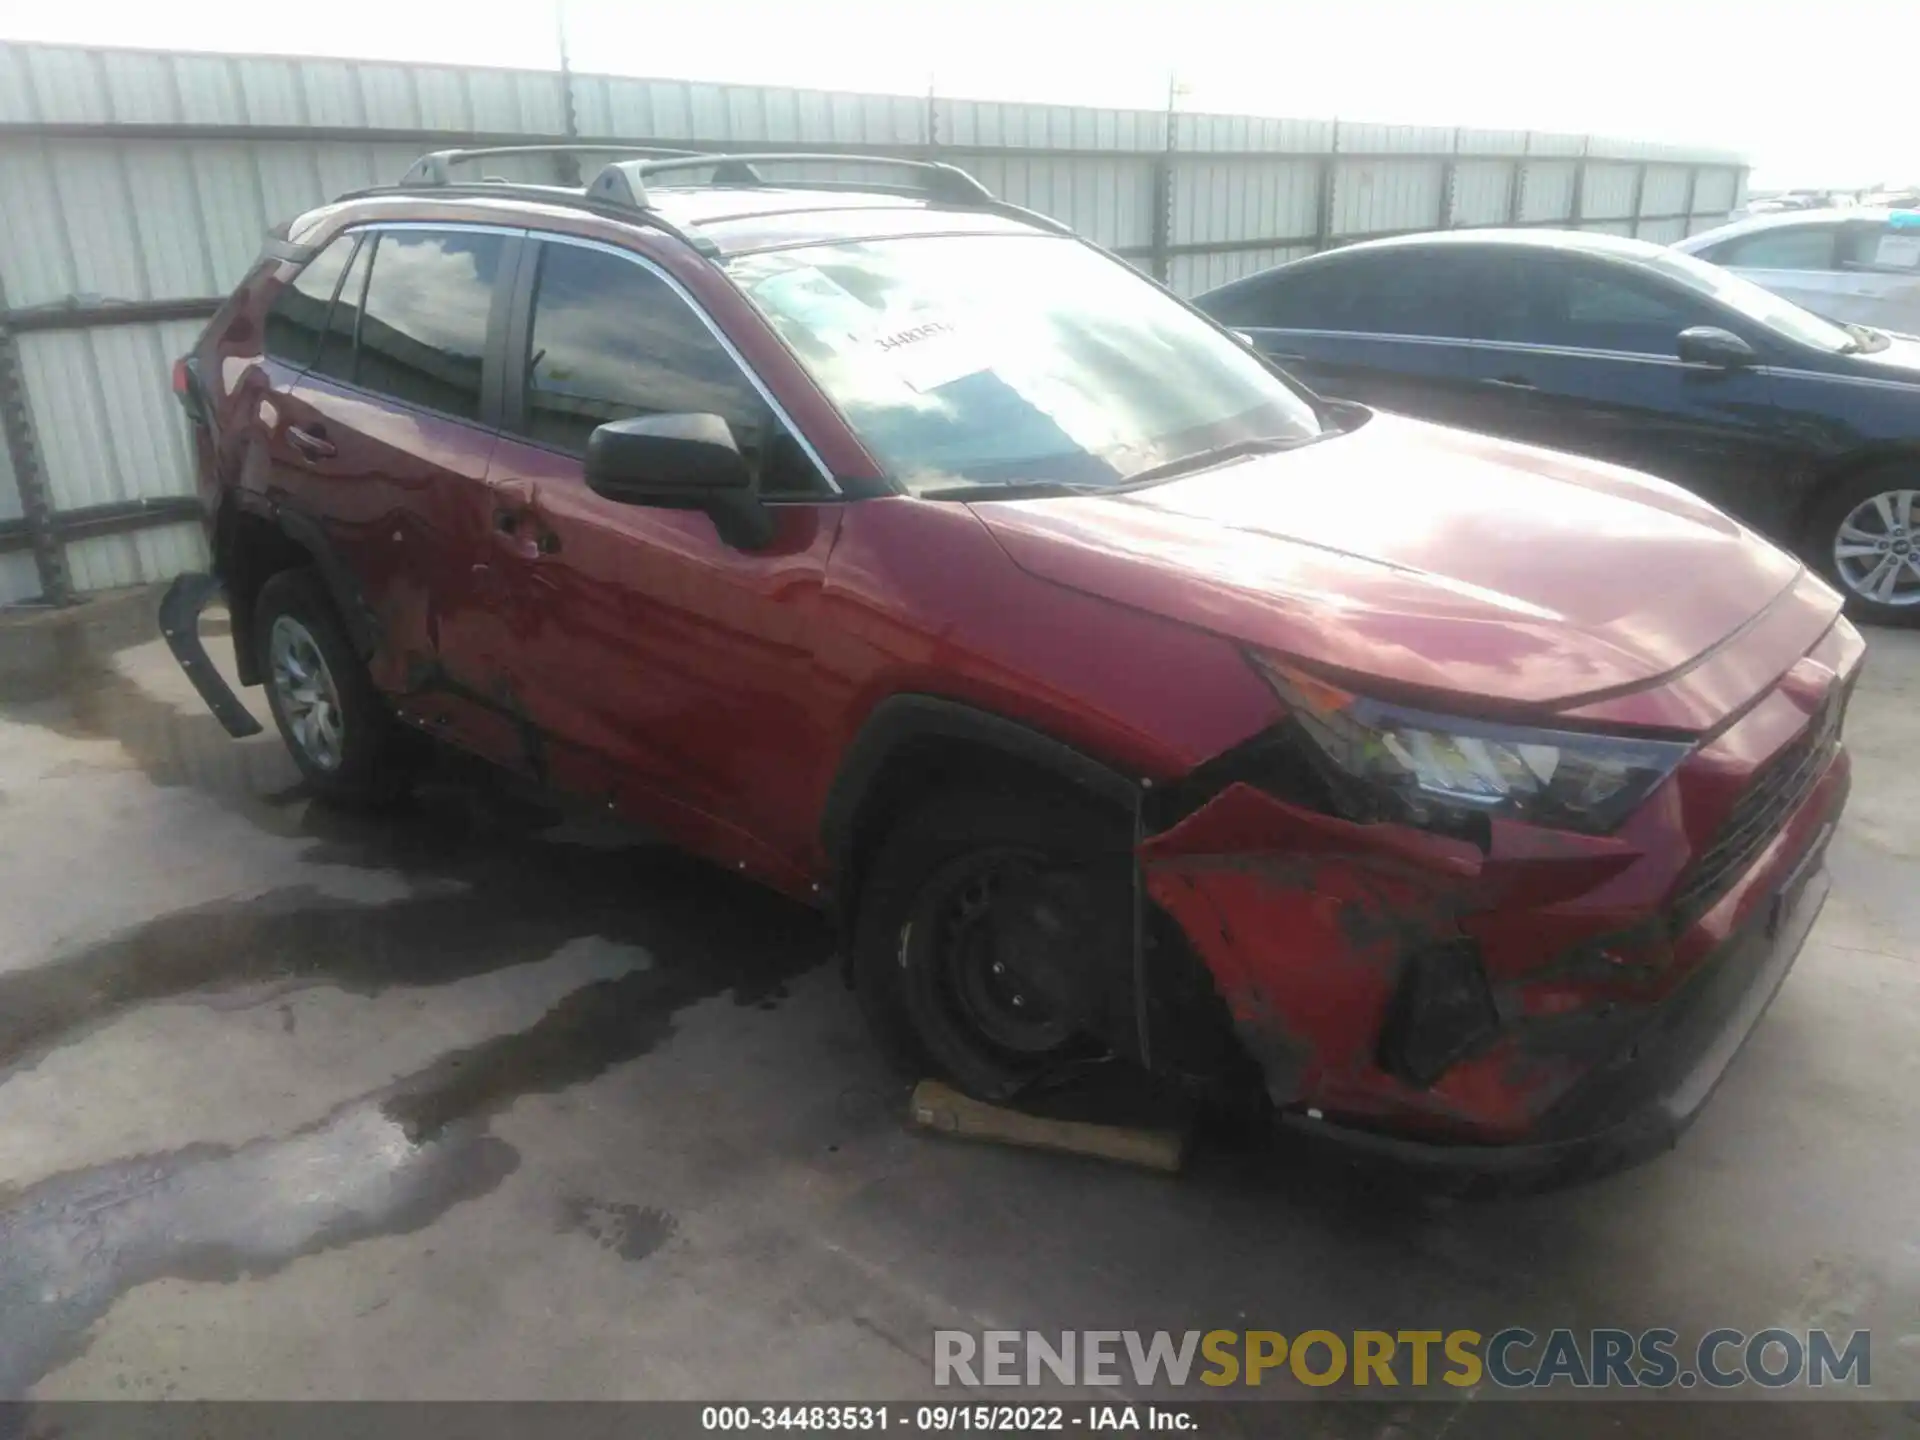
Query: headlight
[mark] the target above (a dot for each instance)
(1440, 771)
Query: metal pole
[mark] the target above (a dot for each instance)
(23, 449)
(569, 165)
(1577, 219)
(1161, 259)
(1517, 192)
(1323, 202)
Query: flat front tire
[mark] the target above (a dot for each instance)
(930, 957)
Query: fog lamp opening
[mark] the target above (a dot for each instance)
(1441, 1012)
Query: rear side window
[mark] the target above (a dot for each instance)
(1797, 247)
(1894, 249)
(343, 322)
(1399, 292)
(423, 330)
(296, 318)
(1261, 300)
(611, 340)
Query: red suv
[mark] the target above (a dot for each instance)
(1119, 696)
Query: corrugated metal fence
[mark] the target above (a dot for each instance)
(135, 187)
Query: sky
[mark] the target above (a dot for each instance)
(1791, 84)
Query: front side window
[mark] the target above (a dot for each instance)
(423, 331)
(996, 359)
(611, 340)
(1556, 300)
(1797, 247)
(299, 312)
(1746, 299)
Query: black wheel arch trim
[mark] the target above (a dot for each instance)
(906, 719)
(179, 617)
(362, 625)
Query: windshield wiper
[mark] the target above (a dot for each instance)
(1219, 455)
(1012, 490)
(1184, 464)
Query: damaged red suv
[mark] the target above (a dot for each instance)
(1119, 696)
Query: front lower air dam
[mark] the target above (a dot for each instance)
(1316, 930)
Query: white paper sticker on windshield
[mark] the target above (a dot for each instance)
(820, 303)
(929, 353)
(1902, 251)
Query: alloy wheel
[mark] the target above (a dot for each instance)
(309, 699)
(1876, 550)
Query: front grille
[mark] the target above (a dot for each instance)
(1759, 813)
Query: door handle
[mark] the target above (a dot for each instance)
(313, 444)
(1509, 382)
(512, 494)
(516, 517)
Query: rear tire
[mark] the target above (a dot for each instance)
(924, 963)
(1865, 539)
(335, 724)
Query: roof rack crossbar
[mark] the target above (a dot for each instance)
(625, 181)
(620, 189)
(435, 167)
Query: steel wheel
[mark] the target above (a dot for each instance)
(1876, 549)
(309, 698)
(971, 935)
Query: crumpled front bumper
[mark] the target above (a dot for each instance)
(1639, 1103)
(1613, 1028)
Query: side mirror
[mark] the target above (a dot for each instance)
(680, 462)
(1710, 345)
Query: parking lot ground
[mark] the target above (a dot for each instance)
(481, 1100)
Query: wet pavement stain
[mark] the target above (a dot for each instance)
(513, 904)
(633, 1232)
(387, 1164)
(59, 673)
(502, 877)
(72, 1245)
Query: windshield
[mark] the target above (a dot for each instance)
(1014, 359)
(1763, 307)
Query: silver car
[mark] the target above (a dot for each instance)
(1855, 266)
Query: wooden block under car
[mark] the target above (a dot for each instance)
(939, 1107)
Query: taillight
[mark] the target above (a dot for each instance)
(186, 389)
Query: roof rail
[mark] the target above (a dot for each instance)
(624, 182)
(435, 167)
(545, 195)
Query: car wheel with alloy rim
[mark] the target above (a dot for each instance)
(1866, 539)
(337, 727)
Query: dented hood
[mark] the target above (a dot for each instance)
(1427, 557)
